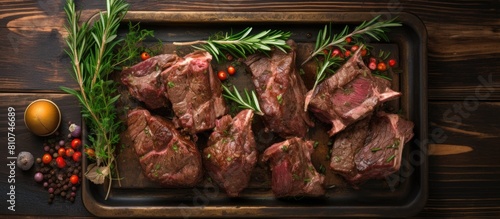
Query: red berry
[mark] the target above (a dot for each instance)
(46, 158)
(231, 70)
(348, 39)
(61, 152)
(61, 163)
(354, 48)
(76, 143)
(77, 156)
(69, 152)
(374, 60)
(372, 66)
(222, 75)
(392, 62)
(90, 152)
(336, 52)
(145, 55)
(347, 53)
(74, 179)
(363, 52)
(381, 66)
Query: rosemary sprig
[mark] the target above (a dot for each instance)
(242, 43)
(90, 49)
(132, 45)
(251, 101)
(325, 67)
(374, 28)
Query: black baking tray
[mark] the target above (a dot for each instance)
(402, 194)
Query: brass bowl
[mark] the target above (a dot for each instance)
(42, 117)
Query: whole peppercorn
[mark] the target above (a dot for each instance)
(25, 160)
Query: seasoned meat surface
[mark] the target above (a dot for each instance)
(281, 91)
(371, 148)
(349, 95)
(166, 156)
(382, 153)
(231, 155)
(292, 171)
(195, 93)
(347, 143)
(143, 80)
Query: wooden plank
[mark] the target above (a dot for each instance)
(35, 38)
(466, 183)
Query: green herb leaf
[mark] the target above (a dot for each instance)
(390, 158)
(251, 101)
(242, 43)
(91, 51)
(374, 28)
(279, 98)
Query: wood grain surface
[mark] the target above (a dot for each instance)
(463, 85)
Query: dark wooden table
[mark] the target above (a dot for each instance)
(463, 90)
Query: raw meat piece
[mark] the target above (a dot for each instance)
(371, 148)
(143, 80)
(349, 95)
(292, 171)
(347, 143)
(281, 91)
(195, 93)
(165, 155)
(381, 156)
(230, 155)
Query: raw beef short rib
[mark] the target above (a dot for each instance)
(292, 171)
(195, 93)
(231, 155)
(281, 91)
(371, 148)
(166, 156)
(144, 83)
(347, 143)
(349, 95)
(381, 156)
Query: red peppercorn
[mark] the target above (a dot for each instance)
(336, 52)
(69, 152)
(354, 48)
(363, 52)
(61, 152)
(46, 158)
(145, 55)
(348, 39)
(222, 75)
(381, 66)
(77, 156)
(74, 179)
(76, 143)
(392, 62)
(61, 163)
(372, 66)
(231, 70)
(90, 152)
